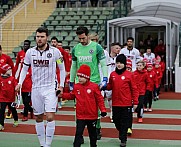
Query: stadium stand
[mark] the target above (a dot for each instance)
(63, 22)
(6, 7)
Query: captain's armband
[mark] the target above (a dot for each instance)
(60, 60)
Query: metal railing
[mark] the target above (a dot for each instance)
(21, 31)
(11, 16)
(121, 10)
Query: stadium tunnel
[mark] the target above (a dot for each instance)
(154, 15)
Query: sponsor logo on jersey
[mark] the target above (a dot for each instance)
(85, 58)
(2, 60)
(49, 55)
(91, 51)
(88, 91)
(130, 57)
(41, 63)
(9, 82)
(123, 77)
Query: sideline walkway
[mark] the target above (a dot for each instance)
(161, 128)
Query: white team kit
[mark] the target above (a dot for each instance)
(43, 65)
(100, 69)
(149, 57)
(111, 64)
(133, 55)
(111, 67)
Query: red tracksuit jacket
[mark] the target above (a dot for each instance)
(27, 84)
(142, 81)
(159, 74)
(66, 59)
(153, 80)
(7, 89)
(162, 64)
(66, 63)
(88, 99)
(5, 59)
(124, 90)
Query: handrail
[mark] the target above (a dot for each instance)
(21, 6)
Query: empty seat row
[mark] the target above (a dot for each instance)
(67, 25)
(74, 28)
(80, 13)
(74, 9)
(83, 17)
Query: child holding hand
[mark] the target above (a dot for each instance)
(7, 94)
(88, 100)
(124, 95)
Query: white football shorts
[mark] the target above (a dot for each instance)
(44, 100)
(108, 94)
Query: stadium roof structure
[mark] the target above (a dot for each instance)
(166, 10)
(165, 14)
(138, 21)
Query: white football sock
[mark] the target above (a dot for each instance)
(110, 104)
(50, 129)
(40, 131)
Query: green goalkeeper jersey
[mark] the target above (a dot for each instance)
(90, 55)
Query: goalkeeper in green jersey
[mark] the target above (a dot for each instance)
(90, 53)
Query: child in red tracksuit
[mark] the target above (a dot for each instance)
(159, 74)
(88, 100)
(27, 84)
(124, 95)
(153, 83)
(7, 94)
(129, 68)
(26, 96)
(162, 63)
(142, 82)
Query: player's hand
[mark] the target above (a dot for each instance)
(103, 84)
(59, 90)
(71, 86)
(134, 107)
(103, 114)
(18, 87)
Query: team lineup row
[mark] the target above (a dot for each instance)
(91, 71)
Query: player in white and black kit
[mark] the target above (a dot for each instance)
(43, 60)
(115, 49)
(131, 53)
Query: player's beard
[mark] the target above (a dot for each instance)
(41, 45)
(130, 47)
(85, 43)
(54, 45)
